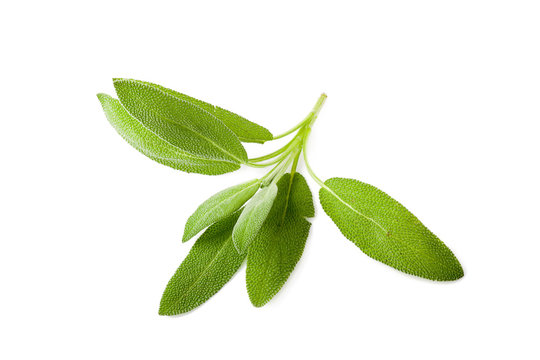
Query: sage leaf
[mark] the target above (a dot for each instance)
(246, 130)
(279, 245)
(210, 264)
(179, 122)
(219, 206)
(155, 147)
(253, 216)
(386, 231)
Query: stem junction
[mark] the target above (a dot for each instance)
(290, 152)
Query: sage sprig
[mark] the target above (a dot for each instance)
(263, 220)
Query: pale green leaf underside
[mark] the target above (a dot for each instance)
(386, 231)
(155, 147)
(210, 264)
(219, 206)
(279, 245)
(179, 122)
(253, 216)
(246, 130)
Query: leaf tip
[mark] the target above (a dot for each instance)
(257, 301)
(163, 311)
(459, 273)
(166, 306)
(186, 237)
(102, 96)
(238, 248)
(258, 304)
(162, 307)
(452, 271)
(268, 136)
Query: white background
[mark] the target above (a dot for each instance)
(436, 103)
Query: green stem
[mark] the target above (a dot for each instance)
(283, 169)
(274, 174)
(269, 175)
(275, 153)
(307, 122)
(308, 167)
(295, 162)
(291, 151)
(291, 179)
(296, 127)
(317, 109)
(305, 136)
(271, 155)
(258, 165)
(276, 160)
(309, 119)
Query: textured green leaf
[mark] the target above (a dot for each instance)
(278, 246)
(253, 216)
(179, 122)
(219, 206)
(210, 264)
(156, 148)
(386, 231)
(246, 130)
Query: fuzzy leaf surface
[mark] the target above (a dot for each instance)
(219, 206)
(247, 131)
(155, 147)
(386, 231)
(279, 245)
(179, 122)
(253, 216)
(210, 264)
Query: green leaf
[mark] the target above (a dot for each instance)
(210, 264)
(179, 122)
(219, 206)
(253, 216)
(246, 130)
(155, 147)
(386, 231)
(276, 250)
